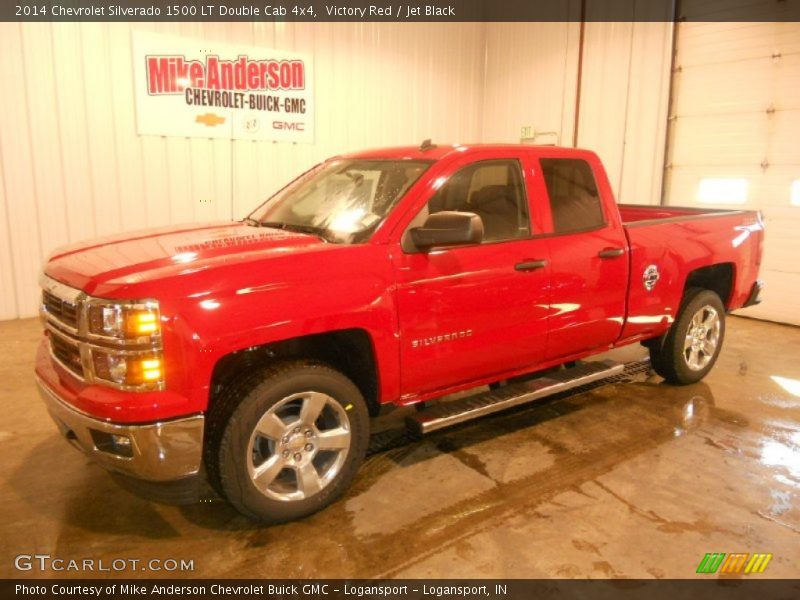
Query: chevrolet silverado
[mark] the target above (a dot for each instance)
(254, 353)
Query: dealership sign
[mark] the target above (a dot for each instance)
(191, 88)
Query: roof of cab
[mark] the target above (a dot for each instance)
(438, 151)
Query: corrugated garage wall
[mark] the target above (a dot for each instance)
(72, 166)
(531, 80)
(734, 128)
(604, 87)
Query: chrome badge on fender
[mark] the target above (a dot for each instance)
(650, 277)
(438, 339)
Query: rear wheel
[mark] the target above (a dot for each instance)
(692, 345)
(292, 442)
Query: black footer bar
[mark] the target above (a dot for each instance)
(408, 589)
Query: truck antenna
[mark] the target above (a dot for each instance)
(426, 145)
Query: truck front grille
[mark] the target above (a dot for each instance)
(69, 317)
(67, 354)
(61, 310)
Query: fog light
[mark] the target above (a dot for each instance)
(112, 443)
(121, 441)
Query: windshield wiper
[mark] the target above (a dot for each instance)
(310, 229)
(252, 222)
(356, 178)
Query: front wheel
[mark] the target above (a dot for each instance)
(292, 442)
(691, 346)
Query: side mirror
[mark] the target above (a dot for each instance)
(448, 228)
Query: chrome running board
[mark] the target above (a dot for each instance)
(445, 414)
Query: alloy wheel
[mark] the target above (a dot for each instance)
(702, 338)
(298, 446)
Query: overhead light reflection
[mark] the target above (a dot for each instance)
(776, 454)
(722, 190)
(209, 304)
(348, 221)
(564, 307)
(184, 257)
(790, 385)
(739, 239)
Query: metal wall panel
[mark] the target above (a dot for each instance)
(736, 114)
(8, 300)
(73, 167)
(21, 192)
(532, 72)
(624, 95)
(604, 94)
(642, 169)
(531, 81)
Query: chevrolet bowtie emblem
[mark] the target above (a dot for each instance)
(650, 277)
(209, 119)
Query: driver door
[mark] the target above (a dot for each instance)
(477, 311)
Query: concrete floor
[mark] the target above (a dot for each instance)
(636, 479)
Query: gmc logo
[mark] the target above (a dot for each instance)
(296, 126)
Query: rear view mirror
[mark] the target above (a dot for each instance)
(448, 228)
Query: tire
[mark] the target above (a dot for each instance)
(692, 345)
(267, 454)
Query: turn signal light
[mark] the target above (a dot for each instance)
(151, 369)
(129, 370)
(143, 323)
(130, 322)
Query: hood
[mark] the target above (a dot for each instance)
(152, 254)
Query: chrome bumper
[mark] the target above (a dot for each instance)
(156, 452)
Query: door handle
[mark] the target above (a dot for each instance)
(611, 252)
(530, 265)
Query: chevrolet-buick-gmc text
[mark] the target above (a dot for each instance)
(254, 353)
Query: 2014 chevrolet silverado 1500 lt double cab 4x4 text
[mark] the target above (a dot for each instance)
(253, 353)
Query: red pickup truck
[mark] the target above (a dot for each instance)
(253, 353)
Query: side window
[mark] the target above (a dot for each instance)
(574, 199)
(494, 191)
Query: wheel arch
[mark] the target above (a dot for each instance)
(350, 351)
(719, 278)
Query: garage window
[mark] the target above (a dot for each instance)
(574, 199)
(493, 190)
(722, 190)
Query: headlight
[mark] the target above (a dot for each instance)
(139, 370)
(126, 343)
(134, 323)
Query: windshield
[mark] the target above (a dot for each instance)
(341, 201)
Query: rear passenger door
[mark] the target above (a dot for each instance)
(588, 257)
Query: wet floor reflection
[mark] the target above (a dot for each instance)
(560, 488)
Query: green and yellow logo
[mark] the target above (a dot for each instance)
(714, 562)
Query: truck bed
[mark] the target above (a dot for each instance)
(641, 214)
(674, 241)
